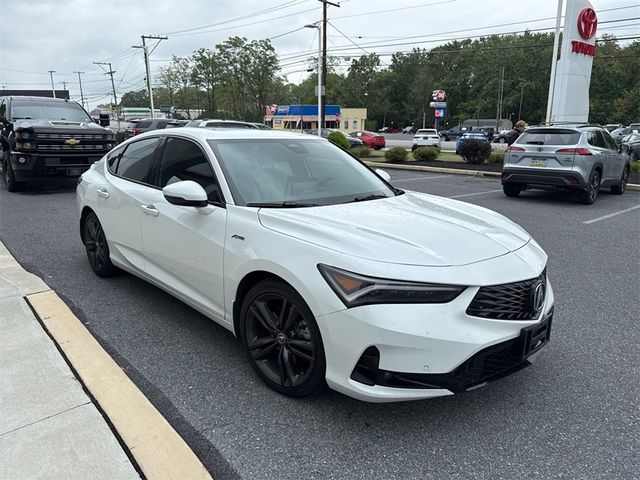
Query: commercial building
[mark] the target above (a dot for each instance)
(305, 117)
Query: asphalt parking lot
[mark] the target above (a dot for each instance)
(574, 414)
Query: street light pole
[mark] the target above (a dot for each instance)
(319, 76)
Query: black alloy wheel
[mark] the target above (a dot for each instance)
(9, 177)
(588, 196)
(282, 340)
(622, 185)
(97, 248)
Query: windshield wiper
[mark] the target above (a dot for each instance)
(364, 198)
(22, 118)
(281, 205)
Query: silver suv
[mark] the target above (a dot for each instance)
(582, 158)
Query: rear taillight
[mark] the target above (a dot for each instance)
(136, 131)
(577, 151)
(515, 149)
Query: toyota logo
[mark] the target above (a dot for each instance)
(587, 23)
(537, 296)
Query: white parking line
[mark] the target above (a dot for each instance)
(604, 217)
(477, 193)
(419, 178)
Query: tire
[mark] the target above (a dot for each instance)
(10, 178)
(97, 248)
(589, 195)
(445, 138)
(378, 147)
(281, 339)
(511, 189)
(502, 140)
(622, 184)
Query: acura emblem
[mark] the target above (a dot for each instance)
(537, 296)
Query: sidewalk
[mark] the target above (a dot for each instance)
(49, 428)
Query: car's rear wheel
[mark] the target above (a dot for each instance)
(589, 195)
(97, 248)
(281, 339)
(502, 140)
(511, 189)
(622, 185)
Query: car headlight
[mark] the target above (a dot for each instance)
(23, 135)
(23, 146)
(355, 289)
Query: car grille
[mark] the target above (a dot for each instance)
(68, 136)
(76, 148)
(510, 301)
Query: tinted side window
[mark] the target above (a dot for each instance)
(142, 124)
(162, 124)
(184, 160)
(3, 112)
(608, 141)
(112, 159)
(137, 161)
(594, 139)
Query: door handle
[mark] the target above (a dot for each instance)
(150, 210)
(103, 193)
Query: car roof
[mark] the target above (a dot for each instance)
(40, 99)
(205, 134)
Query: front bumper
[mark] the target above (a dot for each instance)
(36, 167)
(545, 178)
(426, 350)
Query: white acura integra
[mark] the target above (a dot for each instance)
(325, 272)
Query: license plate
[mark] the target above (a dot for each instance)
(535, 337)
(539, 163)
(75, 171)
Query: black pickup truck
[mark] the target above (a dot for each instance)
(45, 140)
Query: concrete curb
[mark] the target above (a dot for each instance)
(455, 171)
(156, 447)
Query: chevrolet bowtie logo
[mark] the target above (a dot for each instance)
(72, 141)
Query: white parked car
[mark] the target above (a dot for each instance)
(326, 272)
(426, 137)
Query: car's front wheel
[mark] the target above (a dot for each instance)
(281, 339)
(588, 195)
(622, 184)
(10, 178)
(97, 248)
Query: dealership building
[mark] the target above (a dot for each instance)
(305, 117)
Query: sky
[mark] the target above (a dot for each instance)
(69, 35)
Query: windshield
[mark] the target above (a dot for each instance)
(295, 173)
(71, 111)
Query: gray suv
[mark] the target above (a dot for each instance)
(582, 158)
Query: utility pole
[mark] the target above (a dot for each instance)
(53, 89)
(554, 63)
(64, 85)
(520, 108)
(500, 95)
(81, 94)
(145, 49)
(113, 86)
(323, 100)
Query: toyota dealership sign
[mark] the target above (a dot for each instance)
(573, 74)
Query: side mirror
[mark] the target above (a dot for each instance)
(186, 194)
(383, 174)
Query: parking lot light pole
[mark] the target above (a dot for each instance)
(319, 28)
(53, 89)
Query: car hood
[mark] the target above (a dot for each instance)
(411, 229)
(57, 125)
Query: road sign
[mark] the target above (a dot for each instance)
(439, 95)
(439, 112)
(438, 104)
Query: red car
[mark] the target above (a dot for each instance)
(370, 139)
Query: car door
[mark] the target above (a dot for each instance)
(184, 246)
(127, 177)
(617, 158)
(609, 157)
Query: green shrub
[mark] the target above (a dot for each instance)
(426, 154)
(361, 151)
(339, 139)
(496, 157)
(635, 166)
(396, 155)
(474, 151)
